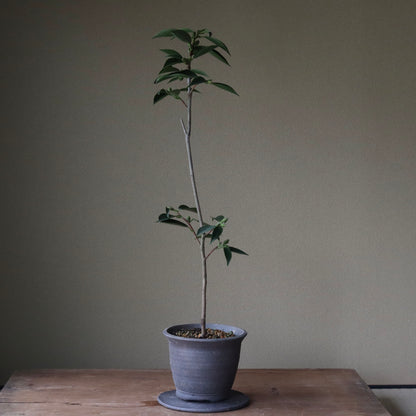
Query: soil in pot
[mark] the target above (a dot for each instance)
(196, 333)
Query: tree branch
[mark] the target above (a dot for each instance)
(215, 248)
(184, 128)
(192, 229)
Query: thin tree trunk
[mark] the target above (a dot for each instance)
(187, 132)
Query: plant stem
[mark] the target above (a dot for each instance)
(215, 248)
(187, 132)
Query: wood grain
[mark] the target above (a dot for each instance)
(326, 392)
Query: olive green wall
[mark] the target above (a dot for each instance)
(314, 163)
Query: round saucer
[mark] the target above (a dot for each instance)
(235, 401)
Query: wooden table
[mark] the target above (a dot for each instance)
(134, 392)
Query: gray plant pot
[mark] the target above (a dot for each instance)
(204, 369)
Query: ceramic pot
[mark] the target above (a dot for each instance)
(204, 369)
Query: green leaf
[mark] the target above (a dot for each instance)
(174, 222)
(219, 218)
(182, 35)
(172, 53)
(216, 233)
(237, 250)
(160, 95)
(201, 32)
(198, 80)
(164, 34)
(186, 208)
(228, 254)
(218, 43)
(204, 229)
(174, 93)
(188, 73)
(164, 77)
(163, 217)
(168, 69)
(225, 87)
(172, 61)
(176, 77)
(198, 71)
(202, 50)
(219, 56)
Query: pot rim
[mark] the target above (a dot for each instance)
(239, 333)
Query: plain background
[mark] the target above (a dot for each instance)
(314, 164)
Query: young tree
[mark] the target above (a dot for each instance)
(179, 68)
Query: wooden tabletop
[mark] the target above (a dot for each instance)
(322, 392)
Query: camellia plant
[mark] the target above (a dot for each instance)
(178, 69)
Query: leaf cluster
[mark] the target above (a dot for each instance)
(179, 67)
(213, 231)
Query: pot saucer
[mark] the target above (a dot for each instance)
(235, 401)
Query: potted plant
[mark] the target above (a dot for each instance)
(204, 357)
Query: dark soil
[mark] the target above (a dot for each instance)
(196, 333)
